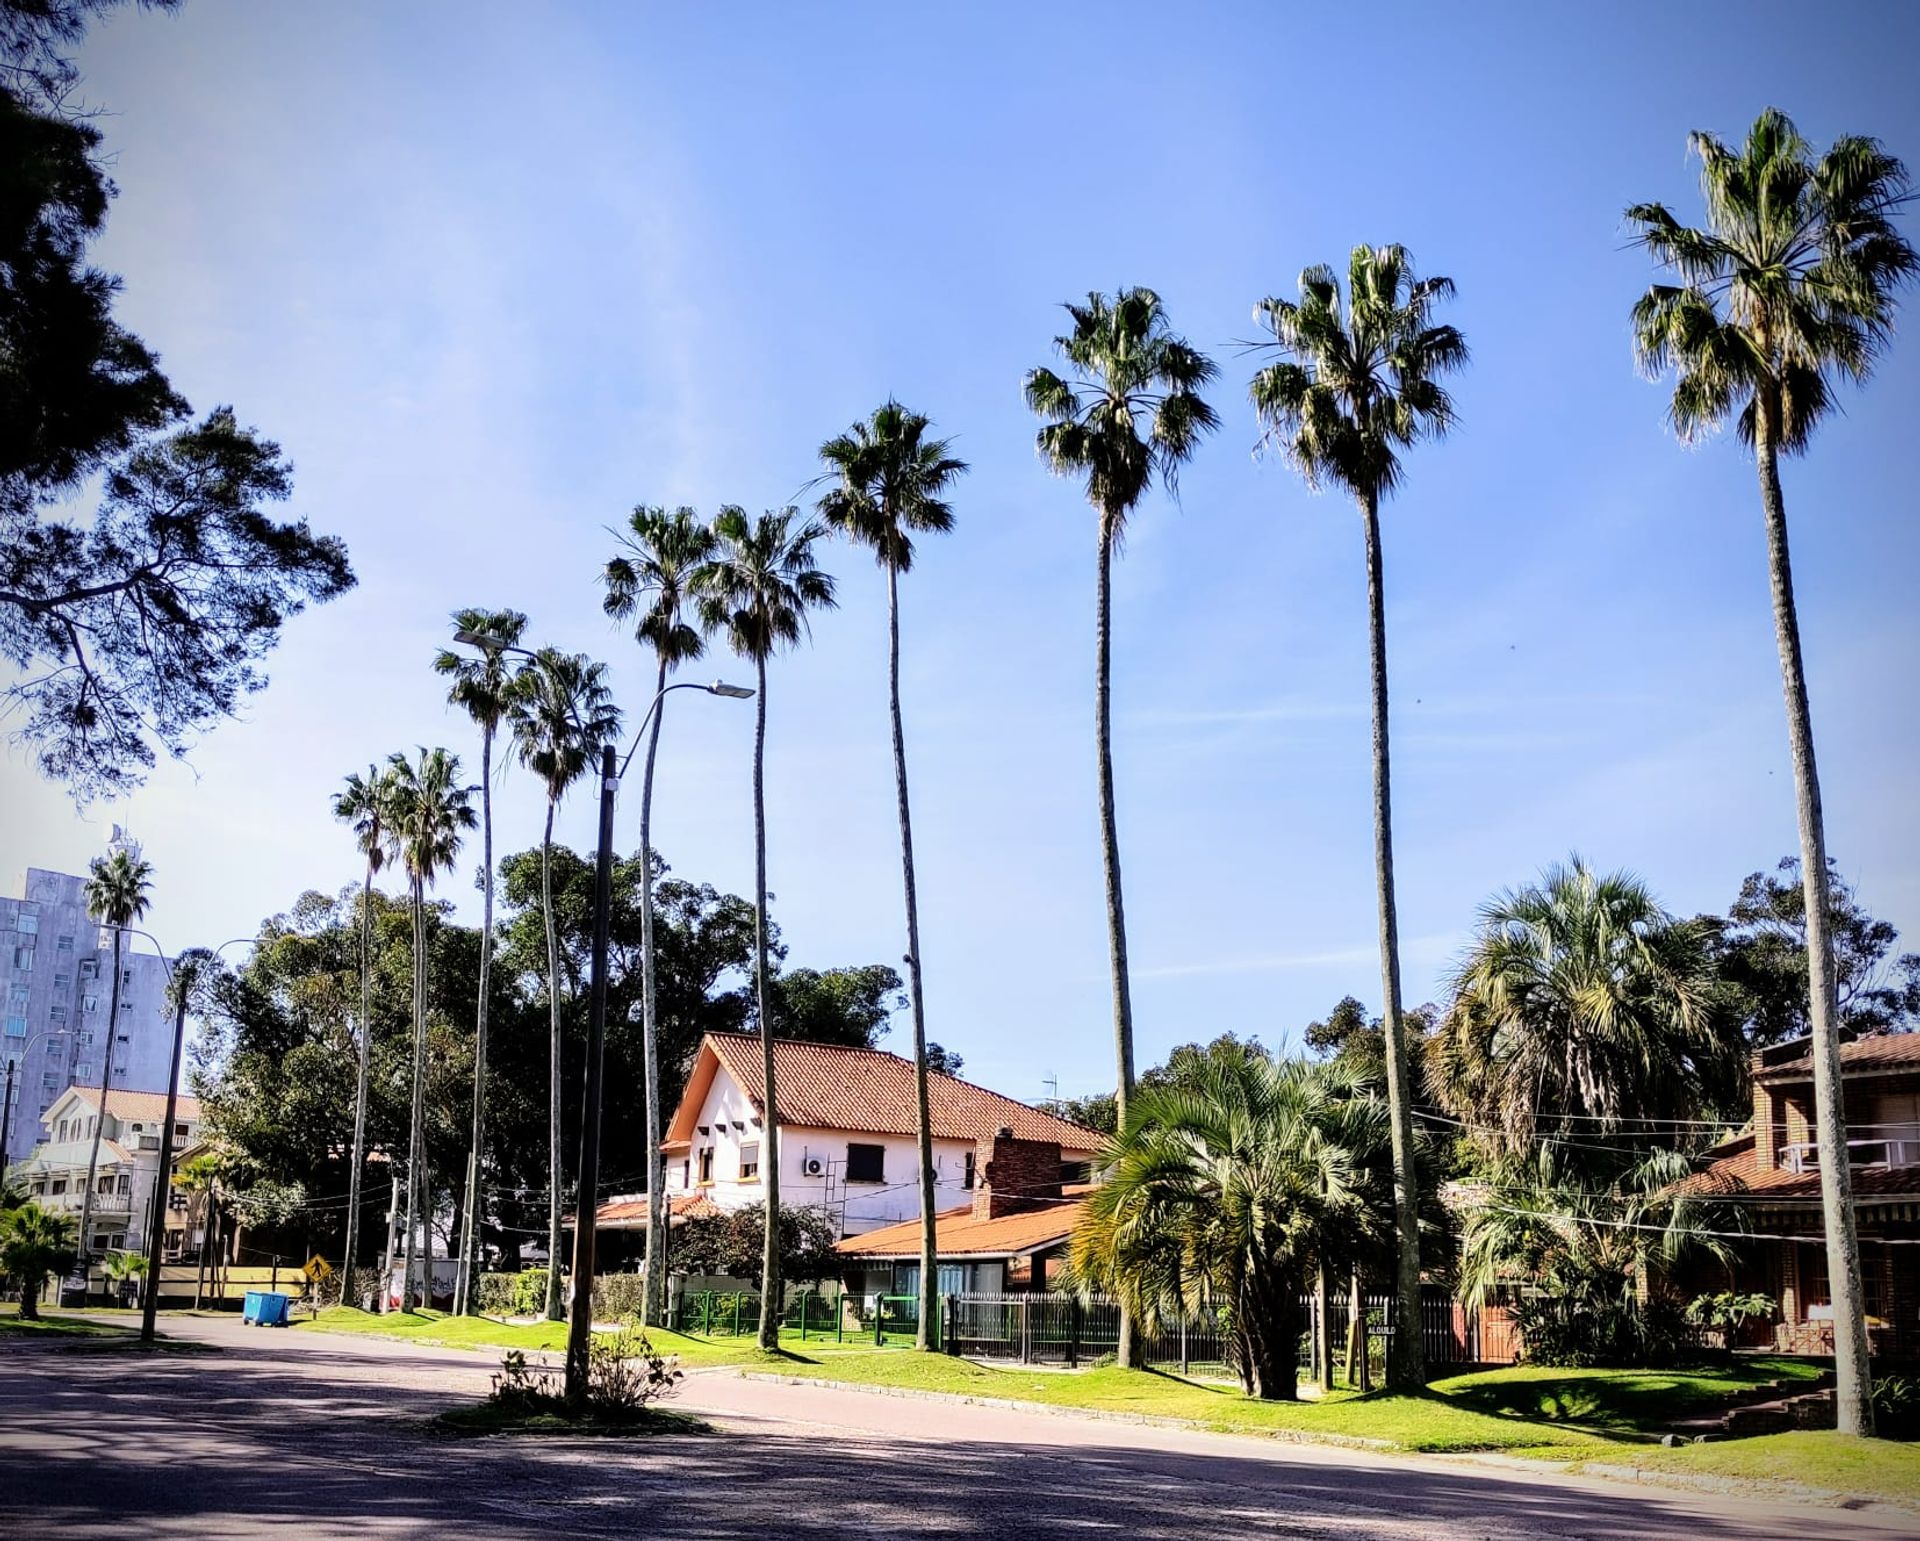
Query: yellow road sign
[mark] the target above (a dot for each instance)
(317, 1267)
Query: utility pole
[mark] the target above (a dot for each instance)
(163, 1181)
(6, 1122)
(393, 1222)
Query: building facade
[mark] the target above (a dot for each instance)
(1773, 1172)
(55, 1173)
(56, 967)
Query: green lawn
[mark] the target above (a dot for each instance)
(481, 1332)
(58, 1324)
(1863, 1468)
(1620, 1400)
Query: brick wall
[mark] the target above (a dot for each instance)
(1015, 1175)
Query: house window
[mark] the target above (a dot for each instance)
(63, 981)
(28, 925)
(58, 1185)
(65, 944)
(89, 968)
(866, 1163)
(750, 1162)
(23, 959)
(686, 1174)
(16, 1027)
(706, 1164)
(57, 1015)
(967, 1178)
(179, 1131)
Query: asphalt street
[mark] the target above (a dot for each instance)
(261, 1433)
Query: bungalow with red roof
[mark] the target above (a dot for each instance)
(1773, 1172)
(847, 1136)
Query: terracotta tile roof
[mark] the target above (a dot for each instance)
(958, 1234)
(632, 1213)
(869, 1091)
(1884, 1051)
(1741, 1175)
(141, 1105)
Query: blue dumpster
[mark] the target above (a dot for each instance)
(264, 1308)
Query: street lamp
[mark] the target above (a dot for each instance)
(580, 1307)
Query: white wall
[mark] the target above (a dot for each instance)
(857, 1207)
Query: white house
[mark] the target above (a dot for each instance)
(847, 1133)
(55, 1175)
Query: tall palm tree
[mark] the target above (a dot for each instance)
(893, 481)
(1231, 1189)
(1789, 285)
(1127, 410)
(430, 811)
(116, 895)
(1582, 1014)
(650, 582)
(561, 716)
(1355, 385)
(366, 805)
(482, 685)
(758, 588)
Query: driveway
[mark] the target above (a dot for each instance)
(264, 1433)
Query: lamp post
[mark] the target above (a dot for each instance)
(580, 1306)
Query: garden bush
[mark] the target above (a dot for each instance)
(1613, 1329)
(494, 1296)
(617, 1296)
(529, 1292)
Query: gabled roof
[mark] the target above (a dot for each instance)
(863, 1091)
(630, 1214)
(1864, 1056)
(136, 1105)
(959, 1235)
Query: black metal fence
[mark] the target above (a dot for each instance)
(1039, 1328)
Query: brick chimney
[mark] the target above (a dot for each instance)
(1014, 1176)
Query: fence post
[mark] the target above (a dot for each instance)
(952, 1344)
(1073, 1333)
(880, 1322)
(1186, 1364)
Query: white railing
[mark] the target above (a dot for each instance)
(1890, 1150)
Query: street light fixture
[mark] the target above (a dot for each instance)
(580, 1306)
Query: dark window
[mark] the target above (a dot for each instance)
(1075, 1172)
(967, 1180)
(686, 1173)
(749, 1161)
(706, 1165)
(866, 1163)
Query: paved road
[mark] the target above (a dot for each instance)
(281, 1434)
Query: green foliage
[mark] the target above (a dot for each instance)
(1730, 1310)
(1127, 370)
(651, 581)
(34, 1242)
(893, 482)
(617, 1296)
(1598, 1322)
(1227, 1188)
(1789, 284)
(1355, 385)
(1761, 950)
(1896, 1405)
(529, 1296)
(625, 1373)
(1582, 1011)
(729, 1245)
(495, 1294)
(762, 580)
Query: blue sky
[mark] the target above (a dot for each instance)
(494, 273)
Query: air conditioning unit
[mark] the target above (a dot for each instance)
(813, 1166)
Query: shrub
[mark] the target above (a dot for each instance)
(365, 1291)
(529, 1292)
(1611, 1328)
(624, 1374)
(1896, 1406)
(495, 1296)
(1730, 1311)
(617, 1296)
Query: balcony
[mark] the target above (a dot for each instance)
(1890, 1146)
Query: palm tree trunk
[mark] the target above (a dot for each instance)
(1853, 1375)
(466, 1301)
(100, 1123)
(655, 1304)
(1127, 1349)
(419, 1211)
(1407, 1365)
(360, 1093)
(1323, 1327)
(929, 1303)
(553, 1076)
(770, 1157)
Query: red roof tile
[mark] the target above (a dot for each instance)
(1884, 1051)
(1740, 1175)
(958, 1234)
(141, 1105)
(869, 1091)
(627, 1212)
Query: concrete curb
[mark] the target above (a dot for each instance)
(1097, 1414)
